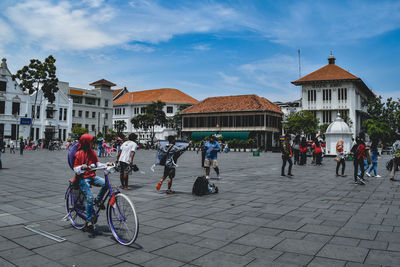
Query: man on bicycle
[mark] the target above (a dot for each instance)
(84, 158)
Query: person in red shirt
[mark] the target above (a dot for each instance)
(317, 151)
(359, 157)
(84, 158)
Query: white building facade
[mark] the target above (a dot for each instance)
(52, 120)
(91, 108)
(332, 90)
(132, 104)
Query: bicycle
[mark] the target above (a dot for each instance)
(119, 209)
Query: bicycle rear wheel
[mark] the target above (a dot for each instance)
(75, 202)
(123, 220)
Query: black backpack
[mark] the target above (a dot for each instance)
(200, 186)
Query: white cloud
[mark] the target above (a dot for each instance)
(137, 48)
(229, 79)
(6, 35)
(201, 47)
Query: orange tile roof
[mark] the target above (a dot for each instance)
(328, 73)
(332, 72)
(76, 92)
(167, 95)
(102, 82)
(117, 91)
(233, 103)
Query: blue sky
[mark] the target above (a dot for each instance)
(205, 48)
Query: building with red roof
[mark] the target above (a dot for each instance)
(331, 90)
(234, 117)
(131, 104)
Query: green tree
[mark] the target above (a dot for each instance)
(323, 127)
(110, 135)
(382, 119)
(39, 76)
(154, 116)
(78, 131)
(176, 120)
(120, 126)
(301, 122)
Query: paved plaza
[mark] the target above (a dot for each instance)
(258, 219)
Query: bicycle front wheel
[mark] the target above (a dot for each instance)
(123, 220)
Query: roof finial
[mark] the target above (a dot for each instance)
(331, 59)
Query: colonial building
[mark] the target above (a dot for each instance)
(330, 90)
(51, 120)
(239, 116)
(131, 104)
(117, 93)
(92, 108)
(289, 107)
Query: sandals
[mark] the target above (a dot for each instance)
(169, 192)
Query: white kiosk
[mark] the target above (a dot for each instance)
(338, 129)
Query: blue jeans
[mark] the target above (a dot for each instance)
(84, 184)
(374, 159)
(365, 166)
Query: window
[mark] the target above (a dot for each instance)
(77, 99)
(327, 116)
(136, 110)
(13, 131)
(93, 127)
(15, 108)
(312, 95)
(93, 114)
(64, 134)
(327, 95)
(344, 113)
(73, 113)
(87, 114)
(342, 94)
(106, 103)
(123, 111)
(80, 113)
(98, 102)
(314, 113)
(106, 116)
(142, 110)
(59, 133)
(2, 107)
(3, 86)
(60, 114)
(87, 126)
(90, 101)
(37, 112)
(65, 114)
(50, 113)
(1, 129)
(170, 109)
(37, 133)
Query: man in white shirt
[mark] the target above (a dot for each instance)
(125, 159)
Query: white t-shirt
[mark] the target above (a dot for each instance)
(126, 149)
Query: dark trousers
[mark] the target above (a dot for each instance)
(303, 158)
(358, 163)
(343, 163)
(203, 157)
(318, 158)
(296, 156)
(289, 160)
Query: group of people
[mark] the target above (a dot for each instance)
(365, 157)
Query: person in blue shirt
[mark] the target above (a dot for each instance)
(212, 148)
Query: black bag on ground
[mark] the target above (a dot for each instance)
(200, 186)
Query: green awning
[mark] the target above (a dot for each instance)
(197, 136)
(235, 135)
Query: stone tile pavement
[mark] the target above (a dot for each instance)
(258, 219)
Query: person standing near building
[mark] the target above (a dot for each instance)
(396, 158)
(211, 148)
(12, 147)
(21, 146)
(340, 155)
(125, 158)
(303, 151)
(317, 151)
(374, 159)
(287, 154)
(359, 156)
(296, 149)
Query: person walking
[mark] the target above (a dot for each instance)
(340, 156)
(12, 147)
(287, 154)
(21, 146)
(296, 149)
(396, 159)
(211, 148)
(359, 156)
(125, 159)
(1, 151)
(171, 151)
(374, 159)
(317, 151)
(303, 151)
